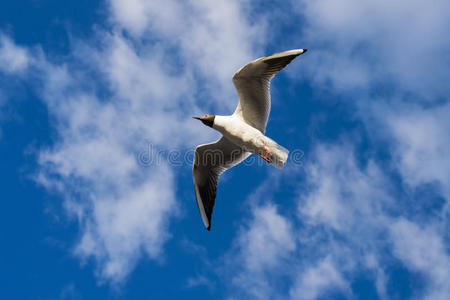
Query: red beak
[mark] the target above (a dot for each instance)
(197, 118)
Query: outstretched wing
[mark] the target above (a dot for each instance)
(252, 83)
(211, 160)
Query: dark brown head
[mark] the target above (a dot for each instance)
(208, 120)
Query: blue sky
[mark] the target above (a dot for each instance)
(88, 87)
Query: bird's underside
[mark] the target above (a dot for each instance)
(252, 83)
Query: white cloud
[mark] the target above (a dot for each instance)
(423, 249)
(339, 189)
(343, 206)
(201, 281)
(352, 207)
(359, 44)
(128, 224)
(261, 252)
(212, 38)
(317, 280)
(13, 58)
(123, 209)
(422, 141)
(268, 238)
(13, 61)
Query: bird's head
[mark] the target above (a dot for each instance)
(208, 120)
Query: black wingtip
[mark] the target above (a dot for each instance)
(305, 50)
(208, 228)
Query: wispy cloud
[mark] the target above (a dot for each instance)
(317, 280)
(423, 249)
(402, 44)
(422, 139)
(13, 61)
(260, 253)
(13, 58)
(212, 39)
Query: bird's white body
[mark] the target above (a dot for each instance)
(249, 138)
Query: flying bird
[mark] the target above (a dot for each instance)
(242, 132)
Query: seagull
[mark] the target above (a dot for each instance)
(242, 132)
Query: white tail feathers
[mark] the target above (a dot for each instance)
(278, 154)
